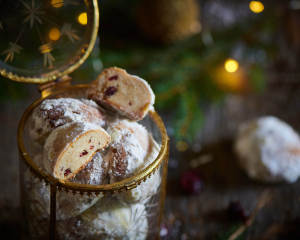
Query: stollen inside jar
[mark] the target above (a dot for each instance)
(126, 209)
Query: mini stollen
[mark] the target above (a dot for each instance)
(53, 113)
(119, 92)
(70, 147)
(268, 150)
(132, 149)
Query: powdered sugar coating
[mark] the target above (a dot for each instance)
(53, 113)
(95, 172)
(132, 149)
(128, 149)
(145, 190)
(269, 150)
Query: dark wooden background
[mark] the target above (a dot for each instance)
(191, 217)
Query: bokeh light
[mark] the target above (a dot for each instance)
(57, 3)
(256, 6)
(54, 34)
(181, 146)
(82, 19)
(231, 65)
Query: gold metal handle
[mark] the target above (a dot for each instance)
(47, 88)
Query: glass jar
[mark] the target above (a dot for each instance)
(57, 209)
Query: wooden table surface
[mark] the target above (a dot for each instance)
(202, 216)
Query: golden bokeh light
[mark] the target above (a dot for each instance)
(256, 6)
(54, 34)
(181, 146)
(57, 3)
(231, 65)
(82, 19)
(234, 82)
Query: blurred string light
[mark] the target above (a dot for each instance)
(181, 146)
(82, 18)
(97, 65)
(57, 3)
(231, 65)
(295, 4)
(256, 6)
(54, 34)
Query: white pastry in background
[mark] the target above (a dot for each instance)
(110, 219)
(268, 150)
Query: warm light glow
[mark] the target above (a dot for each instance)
(57, 3)
(181, 146)
(54, 34)
(256, 6)
(231, 65)
(82, 19)
(235, 82)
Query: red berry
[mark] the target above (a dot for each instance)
(110, 91)
(67, 172)
(191, 182)
(236, 212)
(83, 153)
(113, 78)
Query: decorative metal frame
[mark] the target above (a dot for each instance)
(78, 60)
(124, 185)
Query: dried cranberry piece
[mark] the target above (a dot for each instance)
(191, 182)
(110, 91)
(91, 147)
(83, 153)
(62, 169)
(90, 140)
(67, 172)
(130, 103)
(236, 212)
(115, 77)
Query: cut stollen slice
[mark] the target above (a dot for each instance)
(117, 91)
(71, 147)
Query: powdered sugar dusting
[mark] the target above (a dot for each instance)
(128, 151)
(269, 150)
(53, 113)
(95, 172)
